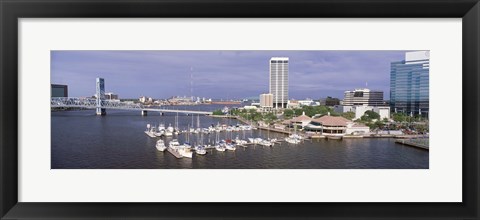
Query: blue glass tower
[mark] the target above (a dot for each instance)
(409, 84)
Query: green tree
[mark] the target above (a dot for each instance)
(348, 115)
(217, 112)
(288, 113)
(399, 117)
(370, 115)
(269, 118)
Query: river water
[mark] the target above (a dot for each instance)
(82, 140)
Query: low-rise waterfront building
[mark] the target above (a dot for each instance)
(357, 128)
(300, 121)
(336, 126)
(328, 125)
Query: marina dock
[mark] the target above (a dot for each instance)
(413, 143)
(174, 153)
(274, 130)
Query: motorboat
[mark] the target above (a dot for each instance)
(150, 131)
(187, 145)
(255, 140)
(296, 136)
(292, 140)
(265, 143)
(219, 147)
(186, 152)
(169, 131)
(160, 145)
(240, 142)
(200, 150)
(230, 146)
(178, 150)
(174, 144)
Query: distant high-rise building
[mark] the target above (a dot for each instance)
(279, 81)
(409, 83)
(266, 100)
(57, 90)
(111, 96)
(363, 97)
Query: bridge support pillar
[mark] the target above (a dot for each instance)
(144, 113)
(101, 111)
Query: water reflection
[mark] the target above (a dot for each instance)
(81, 140)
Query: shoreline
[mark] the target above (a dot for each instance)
(403, 136)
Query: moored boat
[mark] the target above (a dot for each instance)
(334, 137)
(200, 150)
(160, 145)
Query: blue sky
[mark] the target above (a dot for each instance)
(220, 74)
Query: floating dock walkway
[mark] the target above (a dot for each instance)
(412, 143)
(174, 152)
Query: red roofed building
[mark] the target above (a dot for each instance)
(335, 126)
(300, 121)
(329, 125)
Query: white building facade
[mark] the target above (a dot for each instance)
(383, 111)
(359, 110)
(363, 97)
(266, 100)
(279, 81)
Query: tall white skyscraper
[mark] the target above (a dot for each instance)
(279, 81)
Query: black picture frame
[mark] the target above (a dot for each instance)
(12, 10)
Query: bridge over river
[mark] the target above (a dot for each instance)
(102, 104)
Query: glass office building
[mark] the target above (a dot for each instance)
(409, 84)
(58, 90)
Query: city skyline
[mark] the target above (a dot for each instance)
(220, 74)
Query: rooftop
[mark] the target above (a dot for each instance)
(279, 58)
(332, 120)
(301, 118)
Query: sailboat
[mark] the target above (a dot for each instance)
(200, 148)
(187, 143)
(294, 138)
(218, 145)
(169, 131)
(176, 130)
